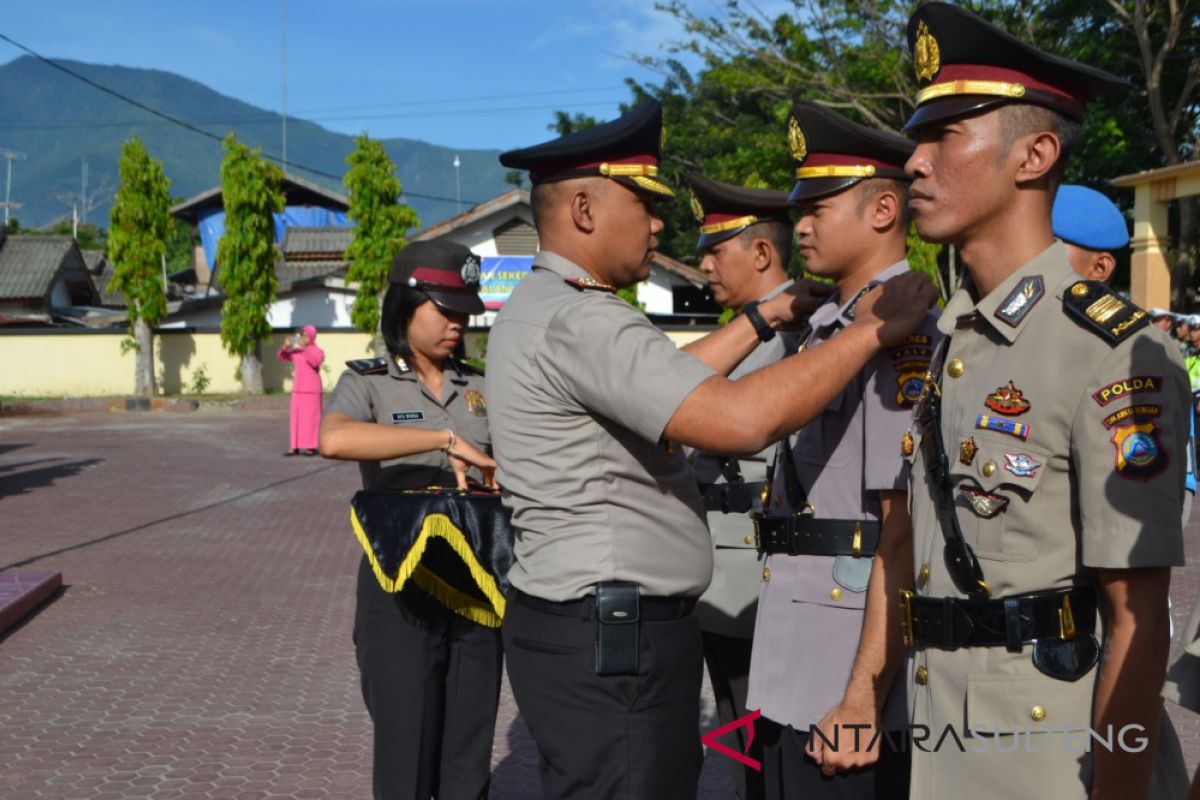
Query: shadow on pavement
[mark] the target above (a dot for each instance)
(24, 482)
(169, 518)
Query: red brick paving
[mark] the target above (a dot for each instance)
(201, 648)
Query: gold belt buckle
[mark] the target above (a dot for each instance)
(906, 618)
(856, 542)
(757, 534)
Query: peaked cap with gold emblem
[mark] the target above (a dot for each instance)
(832, 153)
(627, 149)
(725, 210)
(965, 65)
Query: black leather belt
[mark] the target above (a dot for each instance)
(652, 608)
(951, 622)
(732, 498)
(805, 536)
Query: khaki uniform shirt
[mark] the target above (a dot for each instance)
(582, 385)
(399, 398)
(728, 606)
(1083, 486)
(811, 607)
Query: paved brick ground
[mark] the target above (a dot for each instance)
(201, 647)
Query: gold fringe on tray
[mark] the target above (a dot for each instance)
(439, 525)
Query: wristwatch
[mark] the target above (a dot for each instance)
(765, 332)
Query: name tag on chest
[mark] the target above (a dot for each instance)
(407, 416)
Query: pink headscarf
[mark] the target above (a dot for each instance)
(310, 332)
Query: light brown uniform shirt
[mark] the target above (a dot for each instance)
(582, 386)
(1085, 485)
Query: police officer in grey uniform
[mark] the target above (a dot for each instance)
(414, 420)
(590, 402)
(745, 242)
(839, 493)
(1047, 452)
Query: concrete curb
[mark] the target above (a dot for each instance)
(90, 405)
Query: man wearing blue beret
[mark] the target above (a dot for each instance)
(1091, 227)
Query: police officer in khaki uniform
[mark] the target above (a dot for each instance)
(1047, 452)
(840, 488)
(415, 420)
(589, 404)
(745, 242)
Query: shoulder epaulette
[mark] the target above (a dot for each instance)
(368, 366)
(584, 284)
(1102, 311)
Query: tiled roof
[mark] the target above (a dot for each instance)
(327, 242)
(29, 265)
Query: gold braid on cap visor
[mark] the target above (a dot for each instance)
(837, 171)
(729, 224)
(641, 174)
(993, 88)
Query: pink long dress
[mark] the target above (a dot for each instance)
(306, 392)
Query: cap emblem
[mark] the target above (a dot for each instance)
(470, 271)
(697, 209)
(927, 56)
(797, 144)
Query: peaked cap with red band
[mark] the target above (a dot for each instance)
(832, 153)
(445, 271)
(724, 210)
(626, 150)
(965, 65)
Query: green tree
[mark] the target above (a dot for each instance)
(138, 225)
(381, 228)
(246, 255)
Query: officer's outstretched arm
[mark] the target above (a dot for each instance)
(745, 416)
(1131, 675)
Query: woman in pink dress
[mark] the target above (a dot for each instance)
(306, 357)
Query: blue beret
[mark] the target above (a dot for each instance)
(1086, 218)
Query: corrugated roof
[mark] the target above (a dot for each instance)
(513, 197)
(29, 264)
(101, 270)
(324, 241)
(296, 191)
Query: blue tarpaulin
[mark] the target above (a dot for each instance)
(212, 225)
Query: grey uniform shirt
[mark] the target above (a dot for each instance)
(810, 614)
(582, 385)
(399, 398)
(1087, 474)
(728, 607)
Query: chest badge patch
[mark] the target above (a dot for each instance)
(1021, 300)
(475, 403)
(985, 422)
(1139, 452)
(1007, 400)
(967, 450)
(984, 504)
(1021, 464)
(910, 378)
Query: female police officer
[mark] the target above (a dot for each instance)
(417, 419)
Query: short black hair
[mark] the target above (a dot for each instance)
(400, 302)
(1022, 119)
(777, 232)
(870, 188)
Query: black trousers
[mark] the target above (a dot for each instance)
(634, 737)
(431, 682)
(791, 775)
(728, 661)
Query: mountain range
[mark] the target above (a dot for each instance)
(59, 122)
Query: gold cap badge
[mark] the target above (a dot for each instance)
(927, 56)
(697, 209)
(797, 144)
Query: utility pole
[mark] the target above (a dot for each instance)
(457, 186)
(9, 155)
(283, 58)
(83, 195)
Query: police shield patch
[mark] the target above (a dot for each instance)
(1139, 454)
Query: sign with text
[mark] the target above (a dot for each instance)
(499, 275)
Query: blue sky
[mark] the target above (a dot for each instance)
(462, 73)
